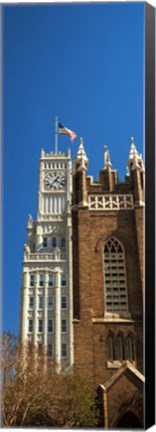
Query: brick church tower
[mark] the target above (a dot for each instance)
(107, 218)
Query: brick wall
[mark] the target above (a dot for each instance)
(90, 231)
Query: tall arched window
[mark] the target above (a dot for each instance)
(120, 349)
(110, 348)
(115, 278)
(130, 348)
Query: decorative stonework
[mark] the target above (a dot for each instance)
(51, 217)
(111, 202)
(47, 257)
(81, 154)
(107, 160)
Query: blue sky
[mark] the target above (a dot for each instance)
(84, 63)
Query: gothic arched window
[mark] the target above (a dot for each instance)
(115, 278)
(120, 348)
(110, 348)
(130, 348)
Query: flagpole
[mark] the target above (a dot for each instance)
(56, 135)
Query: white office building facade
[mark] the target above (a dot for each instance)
(46, 292)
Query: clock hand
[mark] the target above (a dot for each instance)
(54, 180)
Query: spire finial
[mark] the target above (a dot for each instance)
(81, 157)
(81, 141)
(107, 160)
(133, 156)
(81, 154)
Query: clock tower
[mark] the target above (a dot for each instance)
(46, 293)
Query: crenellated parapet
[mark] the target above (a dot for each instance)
(108, 189)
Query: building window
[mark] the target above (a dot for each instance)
(50, 350)
(50, 302)
(63, 242)
(63, 325)
(40, 325)
(115, 278)
(64, 350)
(32, 280)
(63, 280)
(51, 280)
(120, 349)
(31, 302)
(41, 280)
(63, 302)
(54, 242)
(50, 325)
(130, 349)
(110, 348)
(30, 326)
(40, 305)
(45, 242)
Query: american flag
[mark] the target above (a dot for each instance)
(65, 131)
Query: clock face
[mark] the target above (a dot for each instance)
(55, 181)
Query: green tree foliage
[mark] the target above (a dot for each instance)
(33, 394)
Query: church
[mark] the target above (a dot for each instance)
(82, 297)
(107, 221)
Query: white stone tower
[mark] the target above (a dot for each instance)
(46, 293)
